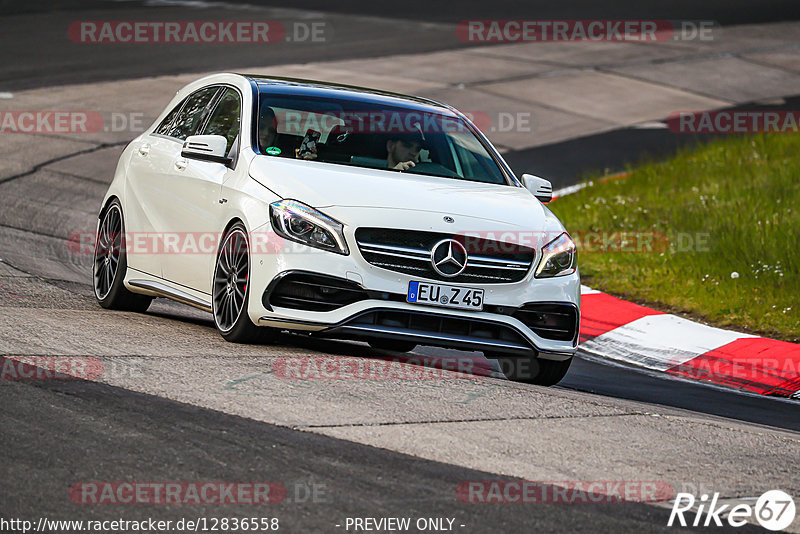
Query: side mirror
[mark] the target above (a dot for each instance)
(541, 188)
(206, 148)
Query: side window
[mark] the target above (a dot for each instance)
(226, 117)
(163, 128)
(188, 119)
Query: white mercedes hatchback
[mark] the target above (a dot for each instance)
(341, 212)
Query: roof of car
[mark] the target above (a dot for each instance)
(301, 87)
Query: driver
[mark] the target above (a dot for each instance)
(403, 150)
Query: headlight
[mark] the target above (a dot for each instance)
(559, 258)
(296, 221)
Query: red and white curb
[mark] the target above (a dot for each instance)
(615, 329)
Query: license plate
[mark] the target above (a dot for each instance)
(463, 298)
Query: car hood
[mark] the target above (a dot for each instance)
(322, 185)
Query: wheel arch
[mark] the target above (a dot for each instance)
(234, 220)
(106, 205)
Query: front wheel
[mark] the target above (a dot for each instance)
(531, 370)
(230, 291)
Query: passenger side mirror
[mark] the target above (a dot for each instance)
(206, 148)
(541, 188)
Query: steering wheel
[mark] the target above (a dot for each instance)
(429, 167)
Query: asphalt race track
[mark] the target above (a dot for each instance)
(177, 403)
(32, 56)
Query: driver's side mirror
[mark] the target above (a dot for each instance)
(541, 188)
(206, 148)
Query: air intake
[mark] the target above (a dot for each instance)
(312, 292)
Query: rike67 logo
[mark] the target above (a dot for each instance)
(774, 510)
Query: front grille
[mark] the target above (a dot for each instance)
(550, 321)
(409, 252)
(313, 292)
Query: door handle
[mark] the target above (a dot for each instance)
(180, 164)
(144, 149)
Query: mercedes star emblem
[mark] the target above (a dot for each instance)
(449, 258)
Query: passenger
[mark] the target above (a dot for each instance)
(267, 128)
(268, 135)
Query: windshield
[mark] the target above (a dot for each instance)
(373, 135)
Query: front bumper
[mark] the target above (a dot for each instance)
(385, 314)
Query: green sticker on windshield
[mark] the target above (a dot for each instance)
(273, 151)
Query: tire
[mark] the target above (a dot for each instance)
(532, 370)
(230, 293)
(390, 344)
(110, 263)
(551, 372)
